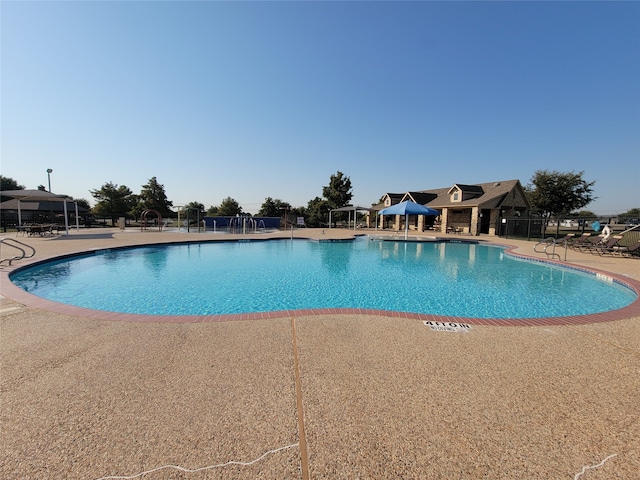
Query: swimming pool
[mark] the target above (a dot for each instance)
(215, 278)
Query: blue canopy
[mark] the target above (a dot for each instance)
(408, 208)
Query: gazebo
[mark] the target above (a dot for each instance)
(349, 208)
(41, 195)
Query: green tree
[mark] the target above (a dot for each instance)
(317, 212)
(113, 201)
(192, 210)
(152, 196)
(553, 193)
(338, 193)
(273, 208)
(629, 215)
(83, 202)
(229, 208)
(195, 207)
(213, 210)
(584, 213)
(8, 183)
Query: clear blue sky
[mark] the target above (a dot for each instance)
(269, 99)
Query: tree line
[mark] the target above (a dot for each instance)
(116, 201)
(113, 201)
(550, 193)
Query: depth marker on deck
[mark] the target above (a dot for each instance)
(448, 326)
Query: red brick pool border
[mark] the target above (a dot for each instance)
(15, 293)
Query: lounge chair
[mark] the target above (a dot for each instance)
(567, 238)
(589, 243)
(579, 241)
(632, 250)
(607, 247)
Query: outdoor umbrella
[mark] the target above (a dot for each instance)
(407, 208)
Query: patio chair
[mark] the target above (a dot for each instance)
(607, 247)
(579, 241)
(35, 229)
(589, 243)
(632, 250)
(568, 238)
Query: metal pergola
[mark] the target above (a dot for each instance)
(350, 208)
(41, 195)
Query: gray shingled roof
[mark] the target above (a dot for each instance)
(421, 197)
(491, 195)
(39, 205)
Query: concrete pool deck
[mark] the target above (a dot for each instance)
(319, 396)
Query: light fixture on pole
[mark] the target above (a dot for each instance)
(49, 178)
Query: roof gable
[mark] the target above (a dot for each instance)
(490, 195)
(389, 199)
(485, 195)
(473, 189)
(419, 197)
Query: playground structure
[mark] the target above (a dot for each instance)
(145, 224)
(240, 224)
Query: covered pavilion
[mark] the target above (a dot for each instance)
(349, 209)
(42, 196)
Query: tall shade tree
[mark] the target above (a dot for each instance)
(83, 202)
(113, 201)
(194, 207)
(317, 212)
(338, 193)
(229, 208)
(193, 211)
(554, 193)
(8, 183)
(273, 208)
(153, 196)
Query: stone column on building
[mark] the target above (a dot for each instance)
(444, 220)
(474, 228)
(493, 219)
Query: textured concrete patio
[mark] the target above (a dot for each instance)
(318, 397)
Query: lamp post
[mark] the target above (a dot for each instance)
(285, 210)
(50, 203)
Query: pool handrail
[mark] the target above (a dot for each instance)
(18, 245)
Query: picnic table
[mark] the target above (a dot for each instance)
(40, 230)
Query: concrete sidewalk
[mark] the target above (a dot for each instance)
(319, 397)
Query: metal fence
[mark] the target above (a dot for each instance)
(535, 229)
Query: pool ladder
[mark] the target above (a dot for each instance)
(550, 242)
(26, 251)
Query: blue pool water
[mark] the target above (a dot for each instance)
(456, 279)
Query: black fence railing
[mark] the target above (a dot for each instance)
(536, 227)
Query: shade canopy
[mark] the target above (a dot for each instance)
(40, 195)
(34, 195)
(349, 208)
(408, 208)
